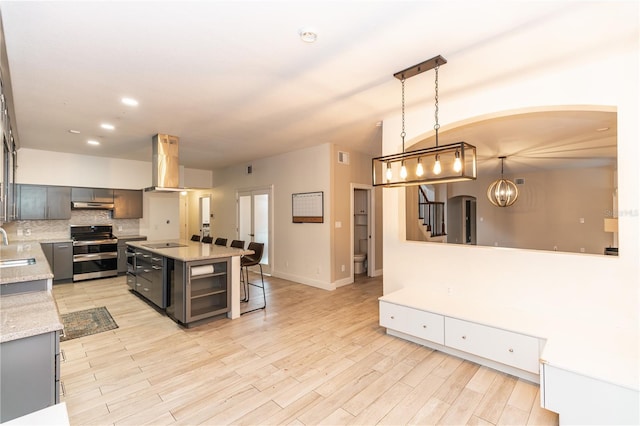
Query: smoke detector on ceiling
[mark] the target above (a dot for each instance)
(308, 35)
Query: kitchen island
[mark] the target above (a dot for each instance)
(190, 281)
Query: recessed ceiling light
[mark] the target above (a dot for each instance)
(92, 142)
(602, 129)
(129, 101)
(308, 35)
(107, 126)
(75, 132)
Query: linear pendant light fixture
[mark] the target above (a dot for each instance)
(440, 164)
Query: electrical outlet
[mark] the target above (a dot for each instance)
(27, 232)
(119, 228)
(19, 232)
(342, 268)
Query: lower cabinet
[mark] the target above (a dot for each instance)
(150, 281)
(199, 290)
(29, 375)
(505, 347)
(504, 350)
(587, 401)
(421, 324)
(122, 252)
(60, 258)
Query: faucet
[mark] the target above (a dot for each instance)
(5, 240)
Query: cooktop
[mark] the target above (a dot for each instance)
(164, 245)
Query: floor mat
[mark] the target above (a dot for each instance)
(86, 322)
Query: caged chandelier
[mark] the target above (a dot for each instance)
(502, 192)
(440, 164)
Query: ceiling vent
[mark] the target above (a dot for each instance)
(520, 181)
(343, 157)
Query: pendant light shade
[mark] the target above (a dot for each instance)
(502, 192)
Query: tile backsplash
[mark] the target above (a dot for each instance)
(27, 230)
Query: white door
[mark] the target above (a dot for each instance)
(254, 221)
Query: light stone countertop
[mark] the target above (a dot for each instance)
(583, 344)
(191, 250)
(28, 314)
(20, 250)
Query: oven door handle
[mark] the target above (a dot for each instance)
(97, 256)
(95, 242)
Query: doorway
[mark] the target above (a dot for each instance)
(363, 231)
(254, 222)
(461, 220)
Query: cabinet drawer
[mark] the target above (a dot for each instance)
(506, 347)
(417, 323)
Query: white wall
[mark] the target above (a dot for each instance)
(61, 168)
(547, 214)
(161, 210)
(539, 279)
(301, 252)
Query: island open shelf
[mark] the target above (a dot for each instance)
(200, 280)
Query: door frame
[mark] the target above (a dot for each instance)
(371, 246)
(267, 268)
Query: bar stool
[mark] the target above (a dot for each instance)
(253, 260)
(237, 244)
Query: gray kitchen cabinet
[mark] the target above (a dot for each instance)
(60, 258)
(88, 195)
(29, 374)
(198, 289)
(32, 202)
(62, 261)
(127, 204)
(122, 251)
(150, 277)
(41, 202)
(47, 249)
(58, 202)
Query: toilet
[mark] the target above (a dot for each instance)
(358, 263)
(360, 258)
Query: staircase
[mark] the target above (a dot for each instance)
(431, 215)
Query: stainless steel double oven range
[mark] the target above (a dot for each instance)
(95, 252)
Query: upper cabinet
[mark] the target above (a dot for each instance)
(127, 204)
(92, 195)
(38, 202)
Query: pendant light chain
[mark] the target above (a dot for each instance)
(403, 134)
(437, 125)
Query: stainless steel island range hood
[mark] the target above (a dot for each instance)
(165, 171)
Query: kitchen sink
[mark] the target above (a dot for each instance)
(164, 245)
(7, 263)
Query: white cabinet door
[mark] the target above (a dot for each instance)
(417, 323)
(586, 401)
(516, 350)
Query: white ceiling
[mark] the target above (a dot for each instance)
(233, 80)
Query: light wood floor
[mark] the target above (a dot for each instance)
(313, 357)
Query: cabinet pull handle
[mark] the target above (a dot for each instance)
(392, 317)
(511, 350)
(424, 325)
(62, 356)
(62, 389)
(464, 337)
